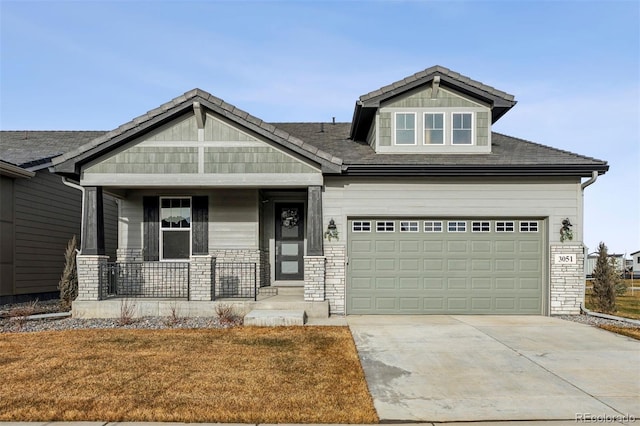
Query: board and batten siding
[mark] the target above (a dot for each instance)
(233, 217)
(555, 198)
(180, 154)
(47, 214)
(421, 102)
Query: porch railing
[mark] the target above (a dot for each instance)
(235, 281)
(144, 279)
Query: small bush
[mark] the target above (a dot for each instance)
(227, 314)
(68, 284)
(20, 313)
(127, 312)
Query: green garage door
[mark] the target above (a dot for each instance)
(441, 266)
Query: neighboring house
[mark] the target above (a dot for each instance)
(38, 213)
(635, 263)
(618, 261)
(414, 207)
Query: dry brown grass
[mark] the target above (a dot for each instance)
(245, 375)
(625, 331)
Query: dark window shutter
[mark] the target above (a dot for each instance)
(151, 228)
(200, 225)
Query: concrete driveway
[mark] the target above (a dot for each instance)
(489, 368)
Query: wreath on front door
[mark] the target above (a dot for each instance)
(289, 218)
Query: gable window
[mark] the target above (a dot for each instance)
(175, 228)
(432, 226)
(405, 128)
(461, 128)
(361, 226)
(434, 129)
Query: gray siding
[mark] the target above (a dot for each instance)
(555, 198)
(446, 101)
(6, 235)
(233, 218)
(46, 214)
(195, 157)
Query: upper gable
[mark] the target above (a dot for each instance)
(433, 111)
(432, 120)
(180, 153)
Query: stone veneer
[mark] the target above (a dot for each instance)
(314, 278)
(335, 278)
(256, 256)
(567, 280)
(200, 288)
(88, 275)
(129, 255)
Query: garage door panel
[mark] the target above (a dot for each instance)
(486, 272)
(385, 283)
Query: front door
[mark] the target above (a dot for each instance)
(289, 241)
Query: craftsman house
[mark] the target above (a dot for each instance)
(414, 207)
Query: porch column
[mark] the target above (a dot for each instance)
(92, 242)
(314, 221)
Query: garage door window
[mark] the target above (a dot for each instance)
(457, 226)
(411, 226)
(505, 226)
(432, 226)
(361, 226)
(529, 226)
(385, 226)
(481, 226)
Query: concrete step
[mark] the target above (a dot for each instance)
(272, 318)
(288, 291)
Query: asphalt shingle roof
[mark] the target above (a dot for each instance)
(26, 148)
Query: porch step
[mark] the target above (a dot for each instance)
(272, 318)
(288, 291)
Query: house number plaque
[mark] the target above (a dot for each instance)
(565, 259)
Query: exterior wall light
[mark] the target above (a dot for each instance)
(565, 231)
(332, 231)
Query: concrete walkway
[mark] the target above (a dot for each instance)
(490, 368)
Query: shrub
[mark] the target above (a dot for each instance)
(605, 279)
(68, 284)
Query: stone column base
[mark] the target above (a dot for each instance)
(314, 278)
(201, 278)
(89, 275)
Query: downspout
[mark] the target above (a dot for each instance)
(592, 179)
(81, 189)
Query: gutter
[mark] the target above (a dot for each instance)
(10, 170)
(592, 179)
(467, 170)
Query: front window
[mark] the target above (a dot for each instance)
(434, 129)
(175, 228)
(461, 129)
(405, 129)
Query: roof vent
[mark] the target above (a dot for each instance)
(333, 120)
(321, 127)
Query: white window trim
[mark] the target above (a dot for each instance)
(457, 222)
(392, 222)
(361, 222)
(473, 127)
(482, 223)
(433, 225)
(528, 224)
(415, 128)
(410, 225)
(505, 222)
(444, 128)
(162, 230)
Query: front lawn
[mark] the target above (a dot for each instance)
(627, 306)
(241, 375)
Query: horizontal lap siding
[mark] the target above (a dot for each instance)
(47, 215)
(233, 218)
(516, 197)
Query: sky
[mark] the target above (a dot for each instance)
(573, 66)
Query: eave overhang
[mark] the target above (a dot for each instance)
(13, 171)
(473, 170)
